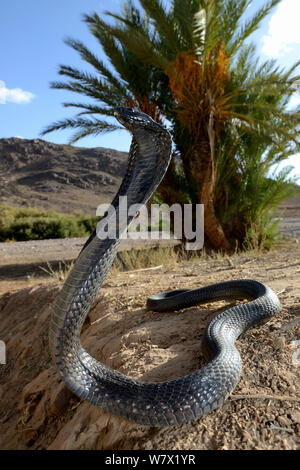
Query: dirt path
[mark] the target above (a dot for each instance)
(25, 260)
(38, 412)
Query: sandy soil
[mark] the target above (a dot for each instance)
(38, 412)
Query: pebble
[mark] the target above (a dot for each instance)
(283, 421)
(275, 326)
(295, 416)
(246, 437)
(148, 445)
(279, 342)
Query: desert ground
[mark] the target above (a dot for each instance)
(37, 411)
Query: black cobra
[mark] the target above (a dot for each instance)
(162, 403)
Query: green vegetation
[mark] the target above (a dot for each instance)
(192, 64)
(37, 224)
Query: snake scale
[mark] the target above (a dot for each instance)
(162, 403)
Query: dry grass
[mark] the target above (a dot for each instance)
(141, 259)
(162, 256)
(59, 274)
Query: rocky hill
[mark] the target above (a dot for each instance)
(66, 178)
(60, 177)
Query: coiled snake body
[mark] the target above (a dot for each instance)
(162, 403)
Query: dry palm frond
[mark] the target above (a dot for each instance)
(146, 106)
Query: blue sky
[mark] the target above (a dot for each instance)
(32, 47)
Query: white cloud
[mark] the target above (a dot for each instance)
(15, 95)
(284, 30)
(294, 101)
(293, 161)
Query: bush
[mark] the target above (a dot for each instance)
(35, 224)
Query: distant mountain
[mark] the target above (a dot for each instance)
(66, 178)
(291, 207)
(60, 177)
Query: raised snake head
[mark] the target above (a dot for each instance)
(133, 119)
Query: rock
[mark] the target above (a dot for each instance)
(295, 416)
(148, 445)
(279, 342)
(284, 422)
(59, 400)
(274, 326)
(246, 437)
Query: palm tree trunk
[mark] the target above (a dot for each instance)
(202, 167)
(213, 229)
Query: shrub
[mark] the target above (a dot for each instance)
(38, 224)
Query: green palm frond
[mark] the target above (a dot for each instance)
(232, 13)
(98, 64)
(251, 25)
(85, 127)
(183, 12)
(164, 25)
(111, 47)
(90, 109)
(142, 47)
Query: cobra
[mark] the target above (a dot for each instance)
(161, 403)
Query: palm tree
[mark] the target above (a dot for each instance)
(189, 65)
